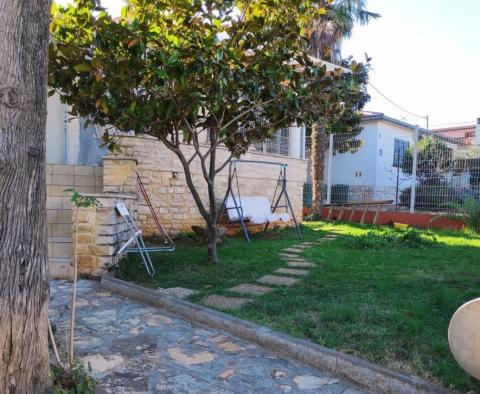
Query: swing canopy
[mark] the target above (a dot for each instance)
(256, 209)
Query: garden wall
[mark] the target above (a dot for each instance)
(164, 180)
(101, 232)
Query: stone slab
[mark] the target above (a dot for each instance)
(289, 256)
(290, 271)
(300, 264)
(302, 246)
(224, 302)
(179, 292)
(250, 288)
(277, 280)
(296, 249)
(298, 259)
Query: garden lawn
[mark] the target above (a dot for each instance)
(390, 306)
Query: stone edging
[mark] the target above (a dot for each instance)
(372, 376)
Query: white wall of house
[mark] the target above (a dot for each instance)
(357, 168)
(370, 170)
(68, 142)
(386, 173)
(56, 136)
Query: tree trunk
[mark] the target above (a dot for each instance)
(24, 364)
(317, 161)
(212, 242)
(213, 213)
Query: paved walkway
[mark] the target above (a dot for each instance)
(134, 348)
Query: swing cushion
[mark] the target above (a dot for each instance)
(256, 209)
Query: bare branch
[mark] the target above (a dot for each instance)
(222, 167)
(246, 112)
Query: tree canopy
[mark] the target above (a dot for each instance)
(434, 160)
(233, 70)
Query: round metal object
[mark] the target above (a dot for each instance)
(464, 337)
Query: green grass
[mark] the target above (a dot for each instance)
(390, 306)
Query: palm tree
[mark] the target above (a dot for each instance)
(328, 33)
(326, 39)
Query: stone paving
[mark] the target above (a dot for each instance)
(134, 348)
(296, 266)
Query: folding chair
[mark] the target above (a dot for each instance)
(137, 240)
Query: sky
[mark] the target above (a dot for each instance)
(425, 58)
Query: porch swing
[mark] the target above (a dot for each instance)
(257, 209)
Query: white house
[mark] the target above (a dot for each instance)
(373, 171)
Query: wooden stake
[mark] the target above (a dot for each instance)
(74, 294)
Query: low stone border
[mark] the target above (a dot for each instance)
(372, 376)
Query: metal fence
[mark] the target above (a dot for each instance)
(277, 145)
(418, 171)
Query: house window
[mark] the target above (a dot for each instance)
(399, 149)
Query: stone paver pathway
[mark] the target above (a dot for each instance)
(133, 348)
(297, 268)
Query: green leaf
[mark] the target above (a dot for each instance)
(173, 58)
(105, 106)
(83, 67)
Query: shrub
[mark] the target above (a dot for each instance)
(431, 197)
(468, 213)
(73, 381)
(391, 238)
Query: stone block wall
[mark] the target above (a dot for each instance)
(100, 232)
(164, 179)
(85, 179)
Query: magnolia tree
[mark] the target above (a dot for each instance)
(233, 70)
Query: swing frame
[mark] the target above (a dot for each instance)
(281, 181)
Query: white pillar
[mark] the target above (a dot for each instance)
(414, 170)
(294, 141)
(329, 169)
(73, 140)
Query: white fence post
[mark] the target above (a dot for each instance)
(414, 170)
(329, 169)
